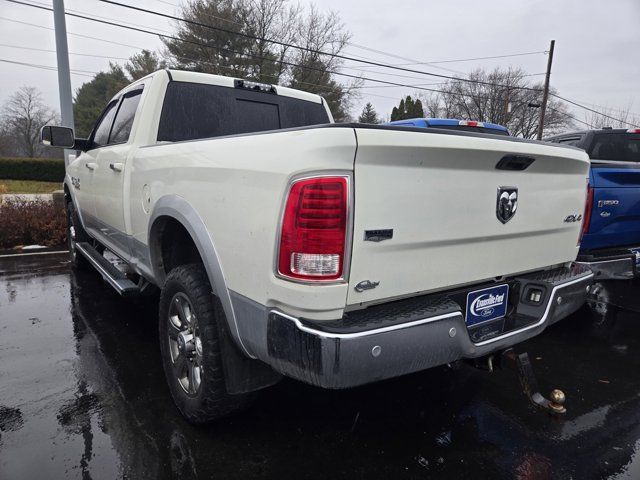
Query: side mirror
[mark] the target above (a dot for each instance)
(57, 136)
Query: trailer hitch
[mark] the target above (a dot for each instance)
(520, 361)
(522, 365)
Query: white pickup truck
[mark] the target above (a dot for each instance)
(336, 254)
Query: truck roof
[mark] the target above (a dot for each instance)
(211, 79)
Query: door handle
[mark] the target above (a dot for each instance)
(116, 167)
(91, 165)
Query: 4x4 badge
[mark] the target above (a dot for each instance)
(507, 203)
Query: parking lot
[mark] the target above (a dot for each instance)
(82, 395)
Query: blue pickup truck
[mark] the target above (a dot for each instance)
(453, 124)
(611, 224)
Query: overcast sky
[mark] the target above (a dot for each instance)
(596, 59)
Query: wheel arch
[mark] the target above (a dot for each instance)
(173, 208)
(70, 196)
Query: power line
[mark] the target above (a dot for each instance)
(372, 63)
(290, 45)
(388, 54)
(435, 62)
(302, 66)
(569, 115)
(606, 108)
(273, 76)
(282, 62)
(70, 53)
(76, 72)
(47, 67)
(592, 110)
(164, 33)
(415, 85)
(70, 33)
(120, 58)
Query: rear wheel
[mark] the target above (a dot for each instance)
(190, 346)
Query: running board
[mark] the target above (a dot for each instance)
(109, 272)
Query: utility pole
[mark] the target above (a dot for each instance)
(545, 93)
(64, 76)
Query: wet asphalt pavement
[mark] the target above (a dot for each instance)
(82, 395)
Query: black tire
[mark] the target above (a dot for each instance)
(75, 233)
(204, 398)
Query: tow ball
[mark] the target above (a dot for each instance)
(522, 365)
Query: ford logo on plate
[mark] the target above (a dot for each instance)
(487, 304)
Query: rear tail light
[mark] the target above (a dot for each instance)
(633, 130)
(470, 123)
(586, 218)
(314, 229)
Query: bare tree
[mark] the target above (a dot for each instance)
(324, 32)
(271, 19)
(613, 118)
(23, 115)
(503, 96)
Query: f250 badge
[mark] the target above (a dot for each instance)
(608, 203)
(507, 203)
(75, 181)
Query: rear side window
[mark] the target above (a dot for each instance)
(193, 111)
(101, 132)
(624, 147)
(569, 140)
(124, 118)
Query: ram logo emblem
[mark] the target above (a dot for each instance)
(507, 203)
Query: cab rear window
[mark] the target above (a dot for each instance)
(194, 111)
(623, 147)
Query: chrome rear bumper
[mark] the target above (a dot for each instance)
(402, 337)
(617, 266)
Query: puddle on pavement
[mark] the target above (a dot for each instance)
(82, 395)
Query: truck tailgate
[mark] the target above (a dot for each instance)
(439, 195)
(615, 215)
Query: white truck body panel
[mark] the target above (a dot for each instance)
(438, 193)
(238, 186)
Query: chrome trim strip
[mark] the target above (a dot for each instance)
(319, 333)
(366, 333)
(544, 317)
(617, 269)
(602, 262)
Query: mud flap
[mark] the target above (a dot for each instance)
(241, 373)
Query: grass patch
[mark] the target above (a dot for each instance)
(28, 186)
(38, 222)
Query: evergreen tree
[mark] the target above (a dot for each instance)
(93, 96)
(231, 59)
(408, 108)
(143, 63)
(368, 114)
